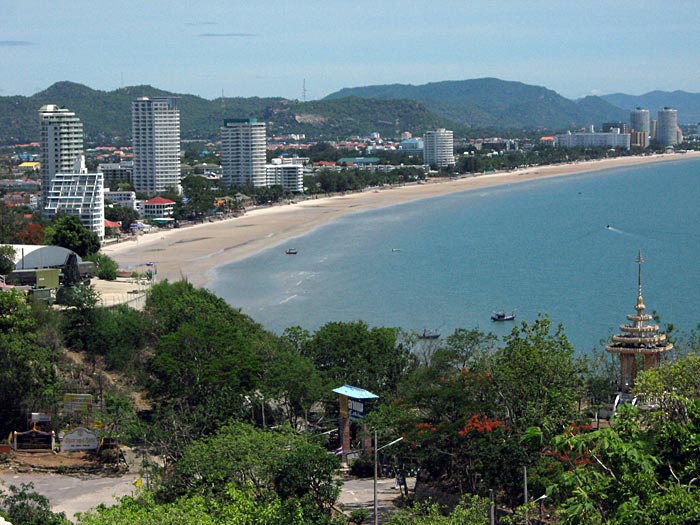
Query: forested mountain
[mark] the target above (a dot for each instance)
(687, 104)
(490, 102)
(106, 115)
(464, 106)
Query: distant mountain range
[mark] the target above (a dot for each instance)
(687, 104)
(490, 102)
(486, 105)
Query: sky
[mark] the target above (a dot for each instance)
(276, 48)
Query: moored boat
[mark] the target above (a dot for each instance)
(502, 316)
(429, 334)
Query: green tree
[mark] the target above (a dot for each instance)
(26, 373)
(67, 231)
(537, 378)
(121, 214)
(22, 506)
(471, 510)
(106, 266)
(352, 353)
(7, 259)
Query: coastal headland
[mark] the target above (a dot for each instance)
(193, 253)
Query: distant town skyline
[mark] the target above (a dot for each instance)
(312, 48)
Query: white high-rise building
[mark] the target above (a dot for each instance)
(438, 148)
(667, 127)
(78, 193)
(243, 156)
(155, 129)
(61, 143)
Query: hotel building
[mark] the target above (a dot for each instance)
(667, 127)
(156, 141)
(289, 176)
(61, 143)
(78, 193)
(612, 139)
(438, 148)
(243, 154)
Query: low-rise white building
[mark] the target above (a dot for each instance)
(612, 139)
(289, 176)
(126, 199)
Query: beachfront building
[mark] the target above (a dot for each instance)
(78, 193)
(61, 143)
(667, 131)
(438, 148)
(158, 207)
(638, 339)
(155, 132)
(611, 139)
(243, 154)
(639, 120)
(289, 176)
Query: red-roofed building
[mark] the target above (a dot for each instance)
(158, 207)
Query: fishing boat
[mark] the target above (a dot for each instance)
(502, 316)
(291, 251)
(429, 334)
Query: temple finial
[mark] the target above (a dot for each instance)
(639, 261)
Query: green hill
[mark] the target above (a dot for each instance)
(106, 116)
(490, 102)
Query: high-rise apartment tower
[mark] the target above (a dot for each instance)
(667, 127)
(438, 148)
(639, 120)
(155, 128)
(243, 154)
(61, 143)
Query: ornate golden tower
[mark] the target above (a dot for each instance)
(638, 338)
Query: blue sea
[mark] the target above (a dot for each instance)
(564, 247)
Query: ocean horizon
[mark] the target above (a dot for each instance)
(564, 247)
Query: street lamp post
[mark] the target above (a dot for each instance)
(377, 449)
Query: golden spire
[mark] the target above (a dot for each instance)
(639, 261)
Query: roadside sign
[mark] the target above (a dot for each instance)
(79, 439)
(73, 403)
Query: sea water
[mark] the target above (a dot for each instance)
(563, 247)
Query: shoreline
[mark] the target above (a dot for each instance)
(196, 252)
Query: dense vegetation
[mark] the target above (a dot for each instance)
(106, 116)
(492, 102)
(237, 413)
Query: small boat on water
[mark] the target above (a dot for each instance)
(429, 334)
(502, 316)
(291, 251)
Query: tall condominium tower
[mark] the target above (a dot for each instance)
(438, 148)
(155, 129)
(639, 120)
(61, 143)
(667, 127)
(243, 152)
(640, 127)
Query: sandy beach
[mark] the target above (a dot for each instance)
(194, 252)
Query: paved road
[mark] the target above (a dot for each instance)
(72, 494)
(359, 494)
